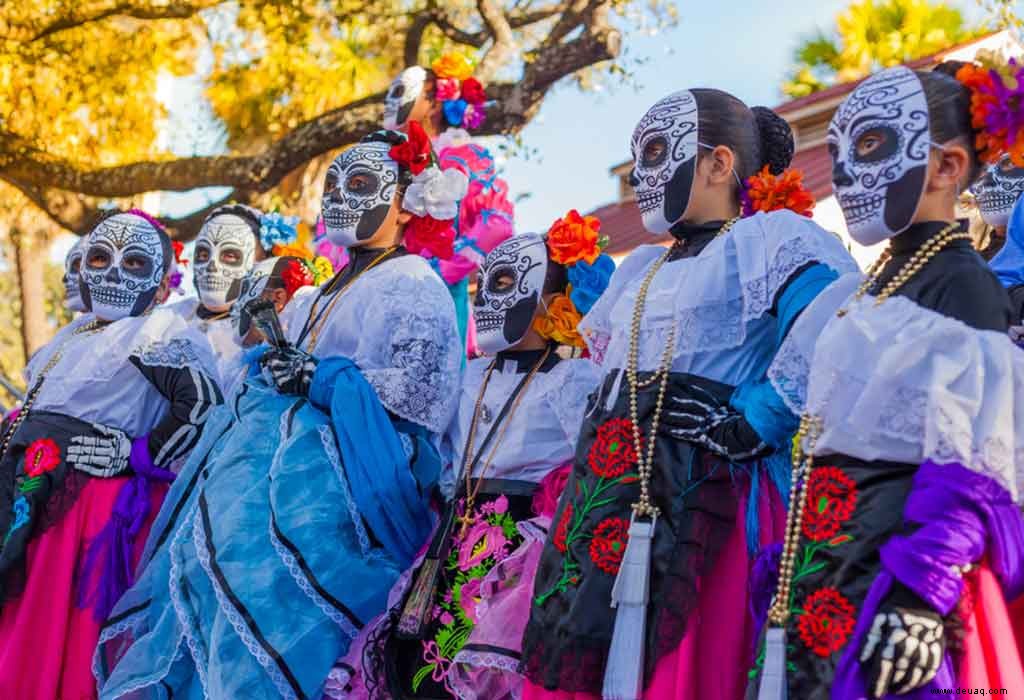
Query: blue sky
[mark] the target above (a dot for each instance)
(742, 46)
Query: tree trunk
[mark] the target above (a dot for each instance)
(29, 258)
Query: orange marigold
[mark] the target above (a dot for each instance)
(767, 192)
(574, 238)
(301, 247)
(560, 322)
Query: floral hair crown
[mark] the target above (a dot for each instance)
(576, 242)
(432, 197)
(767, 192)
(463, 97)
(277, 230)
(997, 106)
(180, 262)
(307, 268)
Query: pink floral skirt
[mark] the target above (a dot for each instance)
(46, 640)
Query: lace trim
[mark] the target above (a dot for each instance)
(327, 439)
(257, 651)
(788, 375)
(336, 685)
(302, 582)
(177, 353)
(133, 622)
(192, 640)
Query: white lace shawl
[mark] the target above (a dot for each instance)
(397, 323)
(903, 383)
(95, 381)
(715, 299)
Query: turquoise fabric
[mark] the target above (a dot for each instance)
(261, 568)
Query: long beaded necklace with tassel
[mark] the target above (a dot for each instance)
(773, 684)
(624, 673)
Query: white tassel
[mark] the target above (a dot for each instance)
(624, 674)
(773, 673)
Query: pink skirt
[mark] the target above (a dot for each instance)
(715, 654)
(991, 656)
(46, 641)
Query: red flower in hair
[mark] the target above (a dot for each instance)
(179, 251)
(415, 152)
(295, 275)
(425, 235)
(473, 91)
(767, 192)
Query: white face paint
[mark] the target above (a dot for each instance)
(508, 291)
(122, 268)
(402, 95)
(664, 147)
(880, 142)
(998, 190)
(225, 251)
(358, 192)
(72, 281)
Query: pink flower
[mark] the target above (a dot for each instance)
(446, 618)
(501, 505)
(448, 596)
(482, 541)
(469, 598)
(447, 89)
(473, 117)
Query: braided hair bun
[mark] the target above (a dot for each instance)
(777, 143)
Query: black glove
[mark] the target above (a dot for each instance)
(291, 370)
(692, 414)
(104, 456)
(905, 646)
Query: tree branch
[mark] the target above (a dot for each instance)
(504, 45)
(86, 12)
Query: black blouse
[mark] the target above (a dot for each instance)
(956, 282)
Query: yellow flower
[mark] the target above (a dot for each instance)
(560, 322)
(453, 65)
(323, 269)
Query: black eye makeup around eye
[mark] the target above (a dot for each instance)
(654, 152)
(887, 147)
(361, 183)
(501, 280)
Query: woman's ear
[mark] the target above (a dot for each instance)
(950, 167)
(721, 162)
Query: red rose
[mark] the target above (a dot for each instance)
(41, 456)
(473, 91)
(827, 621)
(614, 449)
(295, 275)
(831, 498)
(425, 235)
(414, 153)
(609, 544)
(179, 251)
(562, 531)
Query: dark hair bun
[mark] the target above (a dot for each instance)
(949, 68)
(777, 144)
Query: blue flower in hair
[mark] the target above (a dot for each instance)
(454, 110)
(589, 281)
(276, 229)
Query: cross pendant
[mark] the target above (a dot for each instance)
(466, 519)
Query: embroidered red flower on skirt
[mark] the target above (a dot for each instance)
(562, 531)
(614, 450)
(827, 621)
(609, 543)
(41, 456)
(831, 498)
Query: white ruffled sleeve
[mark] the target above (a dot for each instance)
(571, 383)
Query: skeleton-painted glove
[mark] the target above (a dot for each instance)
(105, 455)
(290, 369)
(906, 644)
(692, 414)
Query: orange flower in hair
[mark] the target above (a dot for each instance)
(560, 322)
(767, 192)
(574, 238)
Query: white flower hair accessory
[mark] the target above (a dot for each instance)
(436, 193)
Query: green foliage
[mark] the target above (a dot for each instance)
(875, 34)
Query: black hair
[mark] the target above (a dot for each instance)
(395, 138)
(758, 136)
(556, 279)
(247, 214)
(949, 112)
(166, 248)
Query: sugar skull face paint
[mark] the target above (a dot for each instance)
(358, 192)
(880, 142)
(224, 253)
(402, 95)
(122, 268)
(998, 190)
(72, 281)
(664, 147)
(509, 289)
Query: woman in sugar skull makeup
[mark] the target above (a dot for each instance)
(291, 522)
(642, 588)
(72, 286)
(116, 398)
(904, 538)
(999, 194)
(455, 620)
(228, 245)
(449, 103)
